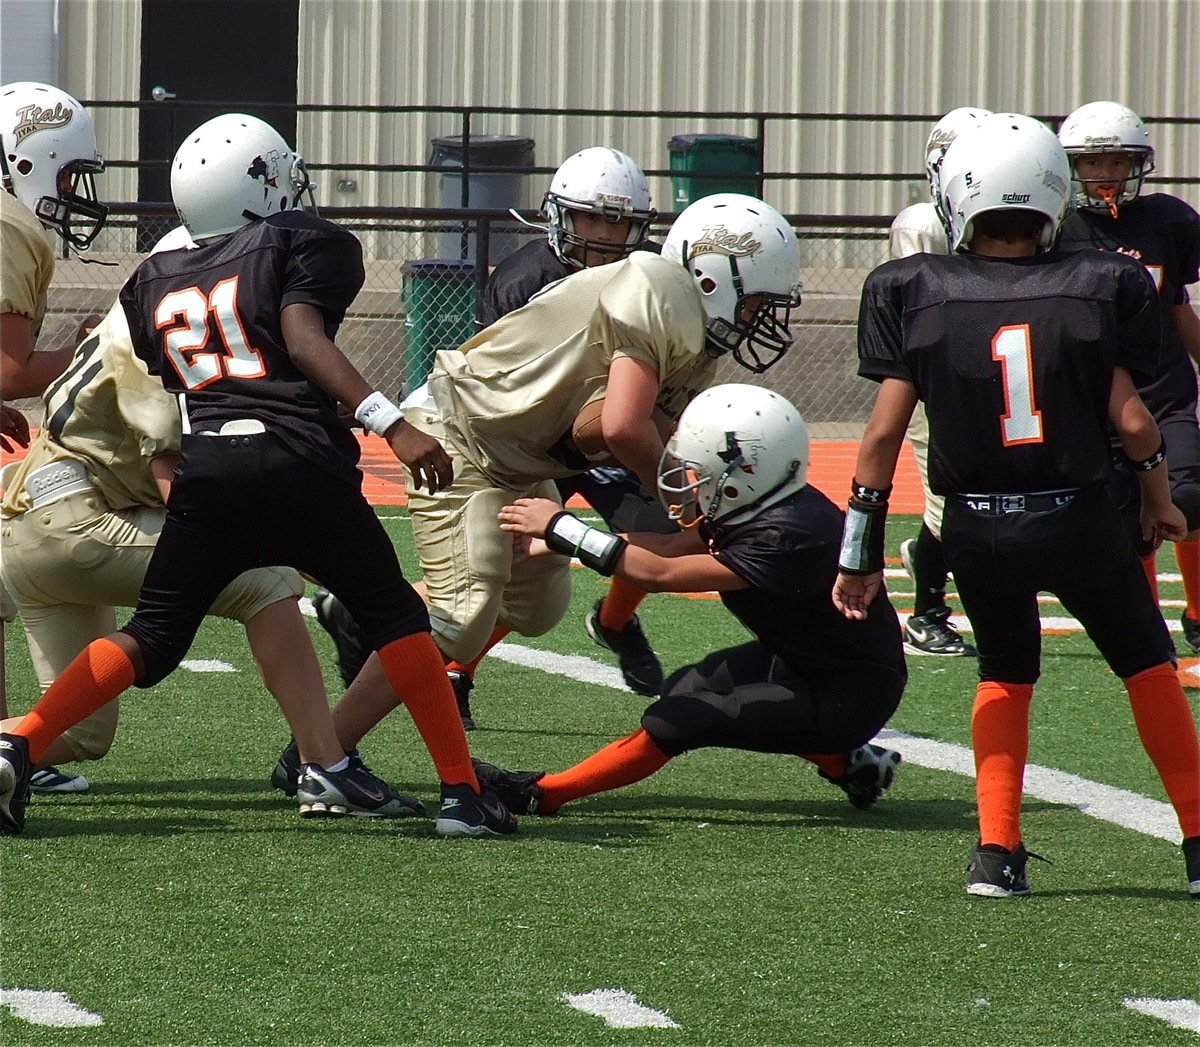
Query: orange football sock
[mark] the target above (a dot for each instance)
(498, 634)
(623, 762)
(1168, 732)
(99, 673)
(1000, 738)
(620, 604)
(833, 764)
(417, 673)
(1150, 566)
(1187, 555)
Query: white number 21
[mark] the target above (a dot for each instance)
(1021, 422)
(184, 315)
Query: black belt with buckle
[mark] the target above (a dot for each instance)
(1030, 502)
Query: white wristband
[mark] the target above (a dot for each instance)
(377, 413)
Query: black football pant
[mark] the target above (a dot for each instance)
(1081, 553)
(619, 497)
(747, 698)
(240, 502)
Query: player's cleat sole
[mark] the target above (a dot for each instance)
(640, 667)
(52, 780)
(870, 771)
(465, 812)
(14, 783)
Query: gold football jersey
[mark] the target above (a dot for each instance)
(26, 262)
(509, 395)
(107, 413)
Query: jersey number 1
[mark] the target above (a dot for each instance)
(1021, 422)
(182, 316)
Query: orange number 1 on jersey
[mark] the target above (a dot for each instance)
(1021, 422)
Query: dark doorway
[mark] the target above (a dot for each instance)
(239, 55)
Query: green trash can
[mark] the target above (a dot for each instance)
(439, 296)
(732, 155)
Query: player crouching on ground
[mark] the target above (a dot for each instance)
(812, 685)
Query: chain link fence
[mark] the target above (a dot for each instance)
(422, 285)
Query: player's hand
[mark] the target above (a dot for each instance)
(853, 593)
(1167, 524)
(86, 326)
(430, 464)
(528, 516)
(14, 429)
(526, 548)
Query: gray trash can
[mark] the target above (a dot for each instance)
(490, 191)
(734, 156)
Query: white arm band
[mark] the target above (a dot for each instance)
(377, 413)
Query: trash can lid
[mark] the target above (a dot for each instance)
(456, 268)
(683, 143)
(495, 149)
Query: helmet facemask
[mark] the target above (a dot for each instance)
(1103, 194)
(756, 327)
(574, 248)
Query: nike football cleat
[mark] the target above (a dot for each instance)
(1191, 855)
(465, 812)
(1191, 632)
(354, 791)
(932, 633)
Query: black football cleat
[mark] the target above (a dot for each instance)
(15, 770)
(464, 812)
(639, 664)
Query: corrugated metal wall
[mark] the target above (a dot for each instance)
(782, 56)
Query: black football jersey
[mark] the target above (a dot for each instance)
(1013, 359)
(1163, 233)
(788, 555)
(522, 274)
(206, 321)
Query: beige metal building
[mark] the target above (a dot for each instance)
(780, 56)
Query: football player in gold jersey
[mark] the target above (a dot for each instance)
(626, 346)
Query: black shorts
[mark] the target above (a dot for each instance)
(1080, 553)
(747, 698)
(619, 497)
(240, 502)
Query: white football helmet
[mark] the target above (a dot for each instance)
(736, 247)
(737, 450)
(1009, 161)
(1107, 127)
(232, 170)
(49, 159)
(599, 181)
(944, 132)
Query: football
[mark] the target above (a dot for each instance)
(588, 434)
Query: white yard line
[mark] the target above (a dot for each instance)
(619, 1009)
(44, 1007)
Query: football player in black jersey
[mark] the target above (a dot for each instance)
(240, 330)
(1110, 155)
(812, 684)
(597, 210)
(1023, 357)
